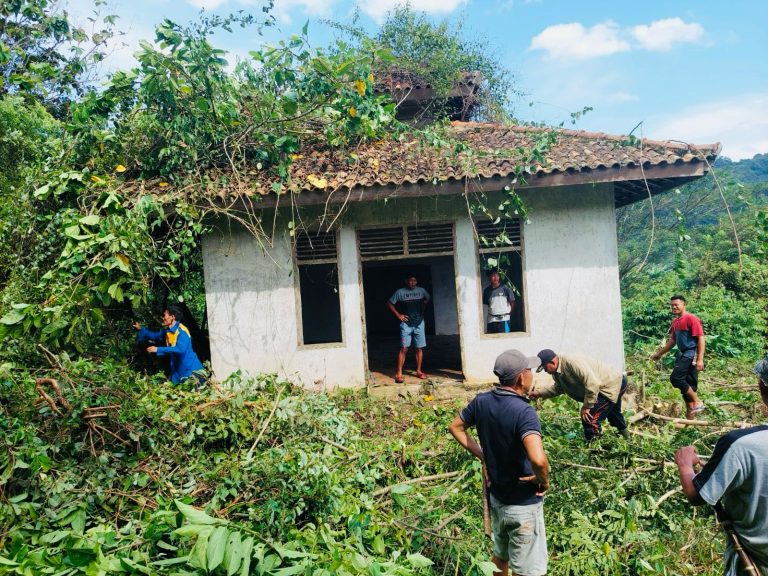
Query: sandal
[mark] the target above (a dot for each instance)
(420, 375)
(695, 410)
(399, 379)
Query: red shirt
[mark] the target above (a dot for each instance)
(686, 329)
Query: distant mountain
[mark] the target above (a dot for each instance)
(748, 171)
(692, 213)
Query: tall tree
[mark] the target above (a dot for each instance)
(44, 56)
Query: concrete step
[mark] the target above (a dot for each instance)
(438, 389)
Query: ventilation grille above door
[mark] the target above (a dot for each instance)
(381, 242)
(315, 246)
(427, 239)
(430, 239)
(501, 235)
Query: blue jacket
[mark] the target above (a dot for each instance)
(178, 348)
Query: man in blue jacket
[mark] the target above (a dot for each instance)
(178, 346)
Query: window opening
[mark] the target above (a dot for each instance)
(500, 249)
(318, 272)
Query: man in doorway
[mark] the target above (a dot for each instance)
(500, 301)
(736, 476)
(687, 332)
(512, 453)
(414, 300)
(596, 385)
(178, 346)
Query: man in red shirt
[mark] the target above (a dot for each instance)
(687, 332)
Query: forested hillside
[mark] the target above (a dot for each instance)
(708, 240)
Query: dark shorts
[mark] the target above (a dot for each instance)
(498, 327)
(684, 375)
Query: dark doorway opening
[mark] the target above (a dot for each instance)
(442, 356)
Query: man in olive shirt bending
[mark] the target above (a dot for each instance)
(596, 385)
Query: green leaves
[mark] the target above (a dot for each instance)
(195, 515)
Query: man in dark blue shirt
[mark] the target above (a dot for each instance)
(511, 451)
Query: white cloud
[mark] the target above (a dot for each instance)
(659, 36)
(740, 124)
(575, 42)
(622, 97)
(377, 9)
(206, 4)
(285, 11)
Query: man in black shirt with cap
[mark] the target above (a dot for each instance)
(512, 452)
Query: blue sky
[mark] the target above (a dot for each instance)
(692, 71)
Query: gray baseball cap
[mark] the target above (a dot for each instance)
(761, 369)
(511, 363)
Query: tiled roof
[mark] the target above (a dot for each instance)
(474, 150)
(400, 81)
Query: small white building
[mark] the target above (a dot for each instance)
(310, 302)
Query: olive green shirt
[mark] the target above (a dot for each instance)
(582, 379)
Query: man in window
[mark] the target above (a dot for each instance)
(414, 300)
(501, 304)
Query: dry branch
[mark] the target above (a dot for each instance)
(212, 403)
(665, 496)
(249, 455)
(686, 422)
(574, 465)
(387, 489)
(47, 397)
(339, 446)
(642, 414)
(448, 519)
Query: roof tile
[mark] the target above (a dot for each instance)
(488, 150)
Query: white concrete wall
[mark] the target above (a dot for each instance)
(253, 316)
(571, 291)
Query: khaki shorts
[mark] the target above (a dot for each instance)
(519, 537)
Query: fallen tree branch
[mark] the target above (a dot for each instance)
(249, 455)
(686, 422)
(47, 397)
(337, 445)
(426, 530)
(387, 489)
(448, 519)
(641, 415)
(665, 496)
(216, 402)
(574, 465)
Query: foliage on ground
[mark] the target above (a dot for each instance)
(257, 476)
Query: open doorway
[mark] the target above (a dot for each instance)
(442, 355)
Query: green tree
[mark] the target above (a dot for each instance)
(44, 57)
(443, 56)
(182, 120)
